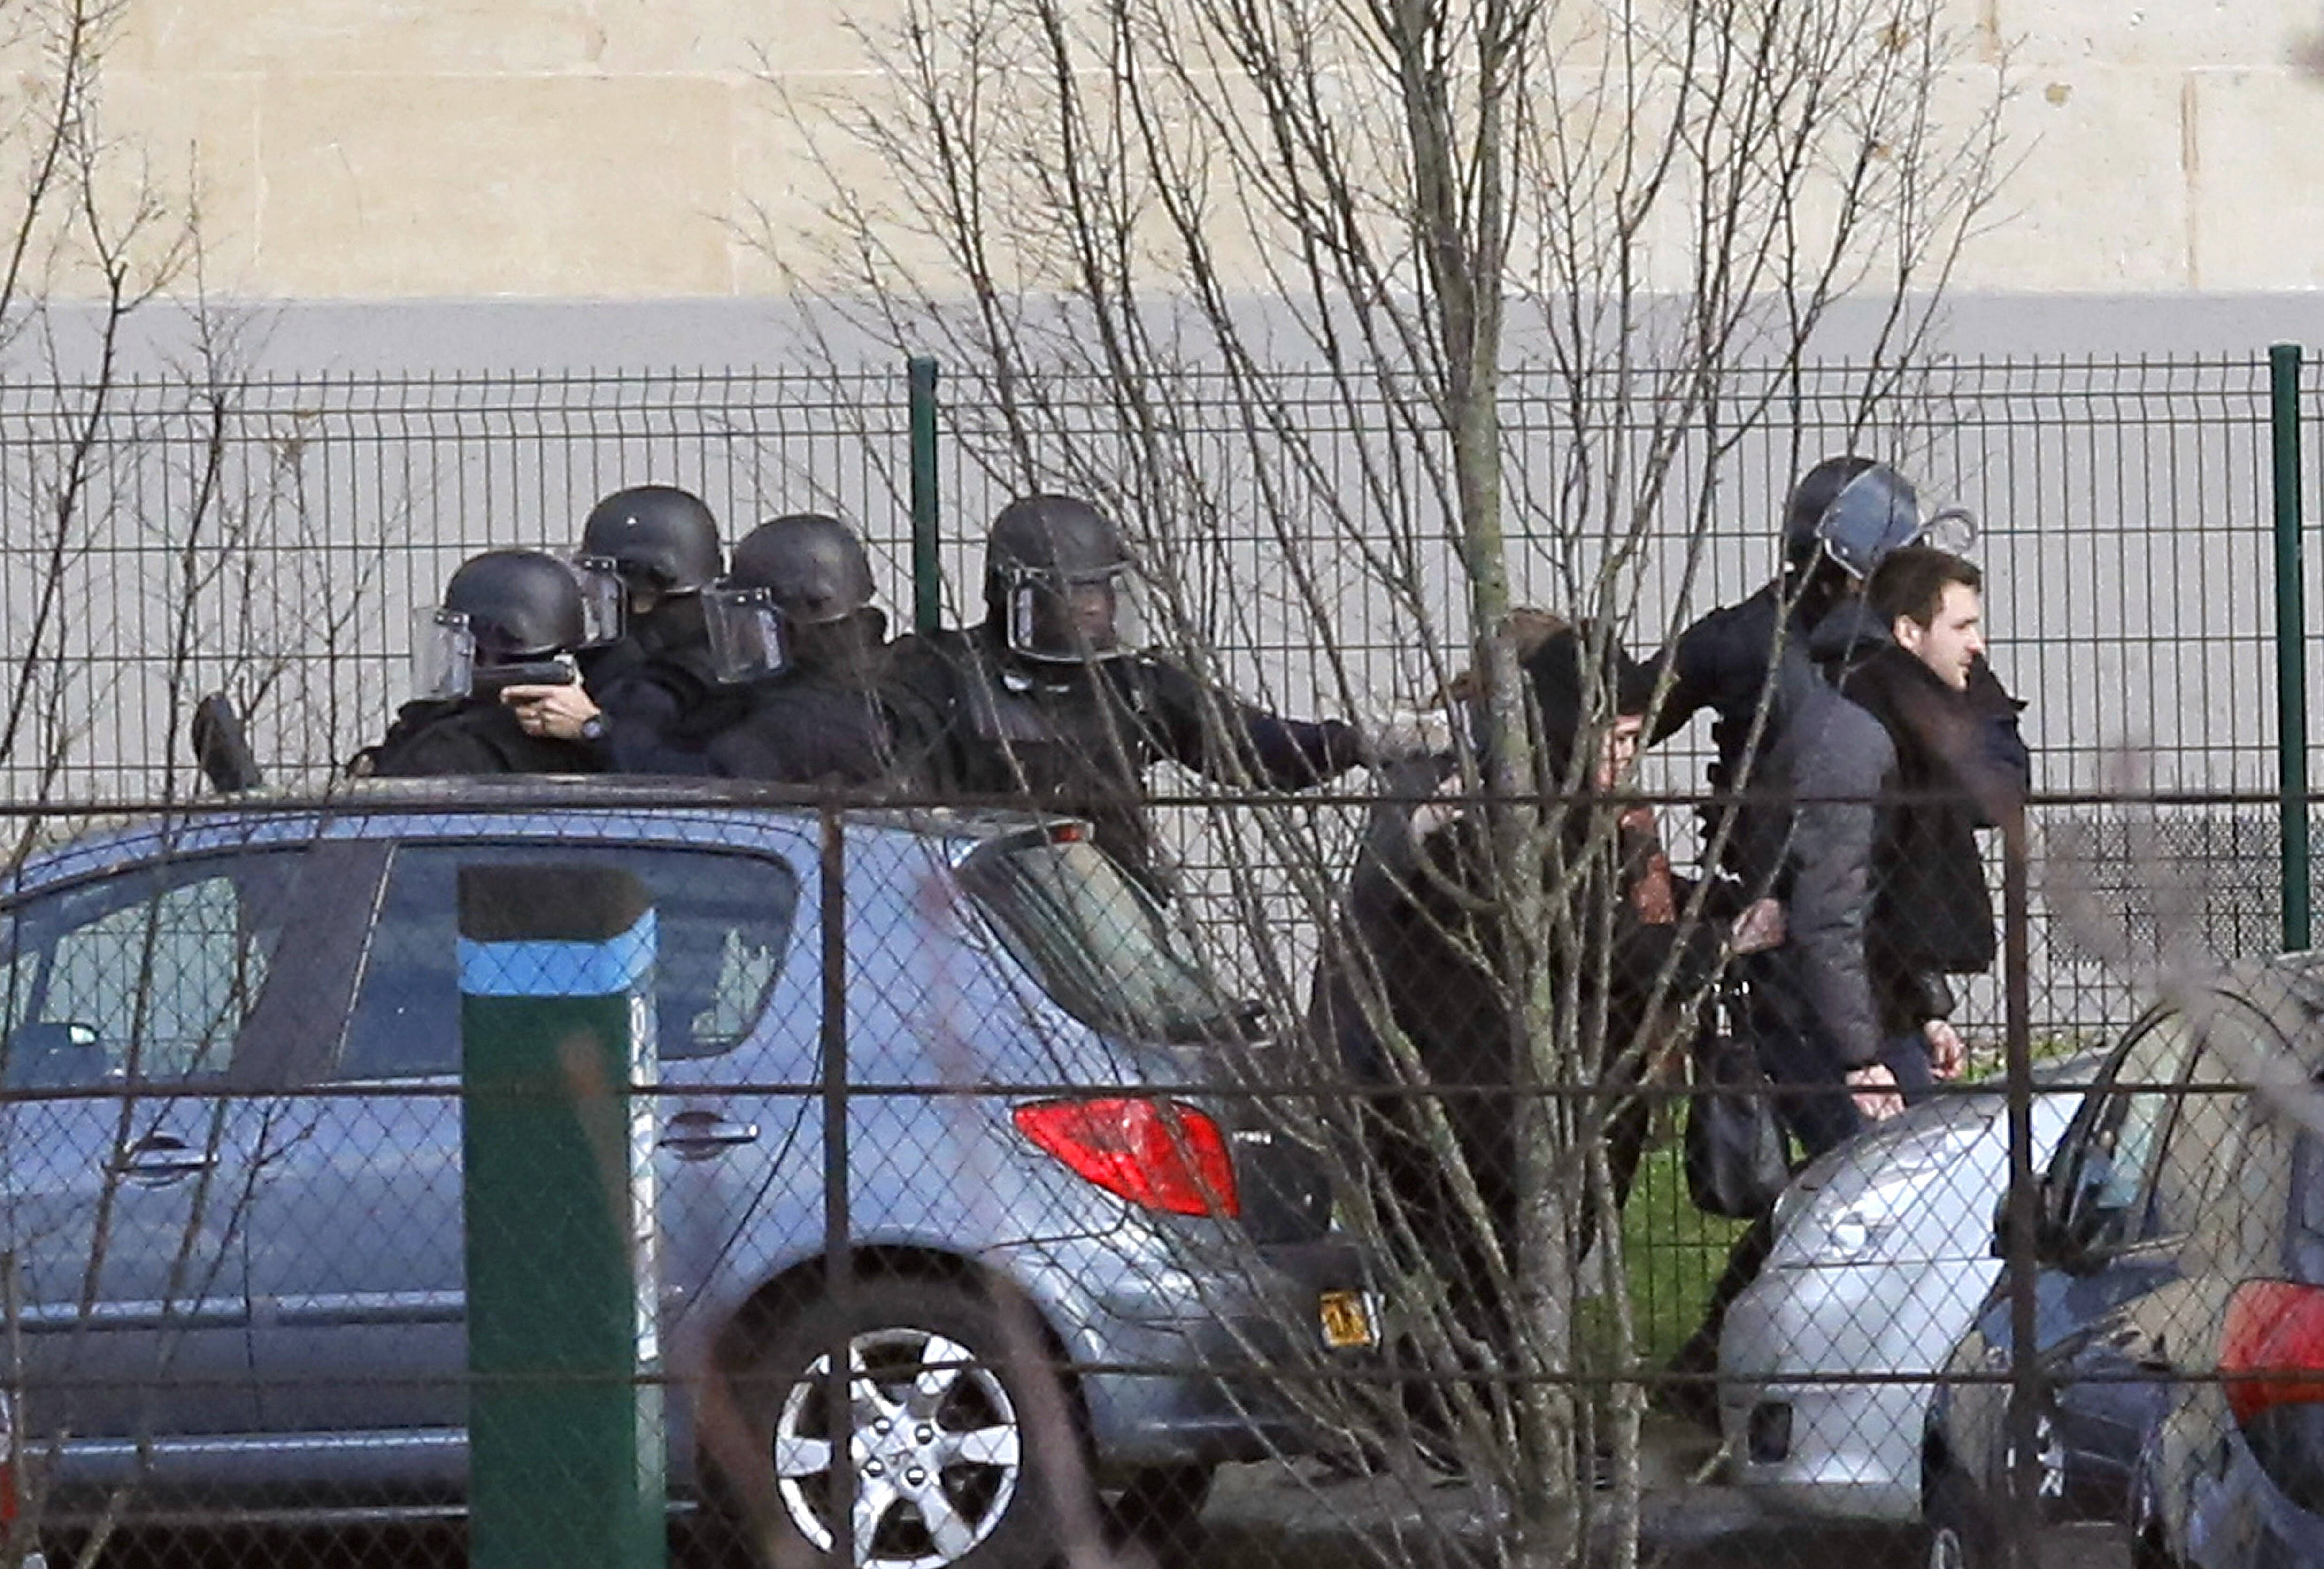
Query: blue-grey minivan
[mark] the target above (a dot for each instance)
(231, 1148)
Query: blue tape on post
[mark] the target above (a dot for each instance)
(558, 969)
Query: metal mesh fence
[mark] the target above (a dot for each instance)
(239, 1252)
(894, 1187)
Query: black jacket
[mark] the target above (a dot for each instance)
(1735, 661)
(659, 691)
(1759, 653)
(1425, 944)
(435, 738)
(831, 726)
(1078, 739)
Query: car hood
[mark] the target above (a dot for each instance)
(1953, 1147)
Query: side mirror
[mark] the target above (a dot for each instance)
(222, 749)
(2049, 1235)
(2066, 1218)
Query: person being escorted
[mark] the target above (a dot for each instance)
(1888, 889)
(506, 616)
(1426, 943)
(1891, 770)
(1049, 700)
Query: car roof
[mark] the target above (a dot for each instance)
(517, 805)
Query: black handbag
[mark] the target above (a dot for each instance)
(1735, 1161)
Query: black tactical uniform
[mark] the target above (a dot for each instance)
(799, 599)
(655, 683)
(502, 607)
(1045, 703)
(461, 736)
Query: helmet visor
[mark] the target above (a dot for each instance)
(1875, 513)
(1075, 618)
(443, 653)
(604, 598)
(747, 638)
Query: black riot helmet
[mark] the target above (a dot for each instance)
(1851, 512)
(1817, 489)
(657, 538)
(1057, 581)
(516, 604)
(810, 563)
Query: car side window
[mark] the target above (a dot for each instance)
(146, 977)
(2105, 1175)
(2207, 1141)
(722, 923)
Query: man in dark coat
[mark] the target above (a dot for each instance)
(502, 611)
(1751, 664)
(1893, 776)
(1048, 702)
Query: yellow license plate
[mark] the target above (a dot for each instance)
(1347, 1318)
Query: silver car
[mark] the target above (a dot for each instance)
(1883, 1253)
(232, 1152)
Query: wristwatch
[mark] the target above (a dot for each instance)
(592, 728)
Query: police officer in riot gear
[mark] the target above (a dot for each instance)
(1049, 700)
(800, 651)
(651, 686)
(795, 619)
(1740, 654)
(505, 614)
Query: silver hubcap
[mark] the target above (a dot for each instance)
(1945, 1550)
(934, 1441)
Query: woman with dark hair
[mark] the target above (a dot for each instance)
(1427, 948)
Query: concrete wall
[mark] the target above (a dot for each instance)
(395, 150)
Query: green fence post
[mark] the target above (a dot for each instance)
(927, 572)
(565, 1434)
(2290, 647)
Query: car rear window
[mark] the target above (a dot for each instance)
(1098, 944)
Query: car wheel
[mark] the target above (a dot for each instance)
(1961, 1535)
(1162, 1504)
(948, 1473)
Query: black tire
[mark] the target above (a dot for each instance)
(963, 1440)
(1162, 1506)
(1961, 1532)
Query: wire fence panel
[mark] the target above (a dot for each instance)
(950, 1128)
(919, 1231)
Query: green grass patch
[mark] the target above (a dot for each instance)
(1673, 1253)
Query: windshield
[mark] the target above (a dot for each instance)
(1097, 942)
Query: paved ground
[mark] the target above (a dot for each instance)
(1297, 1517)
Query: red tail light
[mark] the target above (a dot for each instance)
(2271, 1351)
(1157, 1155)
(9, 1497)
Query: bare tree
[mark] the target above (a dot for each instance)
(1373, 320)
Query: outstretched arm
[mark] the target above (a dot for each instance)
(1287, 753)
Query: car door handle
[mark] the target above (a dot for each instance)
(160, 1158)
(699, 1135)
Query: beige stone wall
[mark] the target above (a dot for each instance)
(585, 149)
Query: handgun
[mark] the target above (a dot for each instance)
(492, 680)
